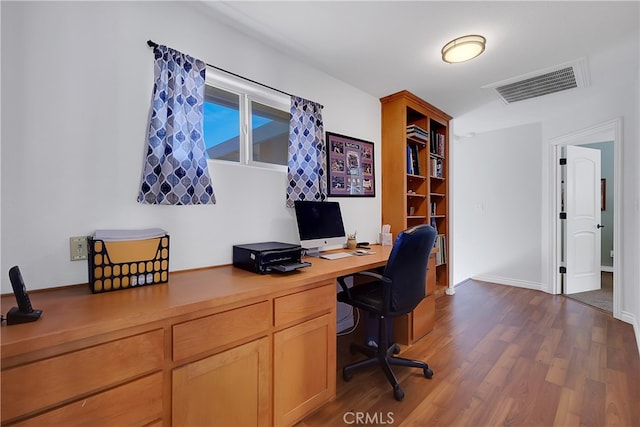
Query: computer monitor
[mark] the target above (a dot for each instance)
(320, 226)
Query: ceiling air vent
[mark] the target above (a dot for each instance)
(544, 82)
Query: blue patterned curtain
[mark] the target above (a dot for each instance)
(307, 152)
(175, 169)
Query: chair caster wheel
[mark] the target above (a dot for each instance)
(428, 373)
(396, 349)
(398, 394)
(346, 375)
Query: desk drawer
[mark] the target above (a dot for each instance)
(207, 333)
(136, 403)
(47, 382)
(303, 304)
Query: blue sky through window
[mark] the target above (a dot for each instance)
(222, 123)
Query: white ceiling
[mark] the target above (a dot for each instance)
(383, 47)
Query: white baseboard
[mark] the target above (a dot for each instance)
(636, 329)
(625, 316)
(510, 282)
(607, 268)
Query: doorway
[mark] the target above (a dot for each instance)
(601, 298)
(608, 131)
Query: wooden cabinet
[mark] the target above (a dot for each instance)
(81, 377)
(214, 346)
(415, 185)
(304, 368)
(232, 386)
(133, 404)
(415, 190)
(227, 389)
(304, 365)
(409, 328)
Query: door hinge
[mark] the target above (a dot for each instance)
(563, 270)
(563, 161)
(563, 215)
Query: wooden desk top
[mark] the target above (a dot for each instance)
(74, 313)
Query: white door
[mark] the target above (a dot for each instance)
(583, 219)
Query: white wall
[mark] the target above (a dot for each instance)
(497, 195)
(635, 261)
(76, 89)
(608, 105)
(497, 126)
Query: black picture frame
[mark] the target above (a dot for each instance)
(350, 166)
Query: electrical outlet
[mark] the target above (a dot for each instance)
(78, 248)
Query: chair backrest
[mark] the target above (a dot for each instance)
(407, 267)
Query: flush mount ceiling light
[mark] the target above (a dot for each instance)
(463, 48)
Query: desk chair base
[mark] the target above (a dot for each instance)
(385, 359)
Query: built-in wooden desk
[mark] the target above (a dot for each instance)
(217, 345)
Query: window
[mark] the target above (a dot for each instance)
(221, 124)
(245, 122)
(269, 134)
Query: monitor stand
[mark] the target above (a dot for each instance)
(314, 252)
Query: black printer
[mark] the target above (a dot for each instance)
(268, 256)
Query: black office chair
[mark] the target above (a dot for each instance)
(397, 291)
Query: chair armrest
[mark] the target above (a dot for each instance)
(345, 288)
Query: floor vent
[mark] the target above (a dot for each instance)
(545, 82)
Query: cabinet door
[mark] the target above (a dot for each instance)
(304, 368)
(226, 389)
(423, 318)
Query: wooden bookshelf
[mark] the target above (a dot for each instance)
(415, 186)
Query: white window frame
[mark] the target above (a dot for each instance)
(247, 92)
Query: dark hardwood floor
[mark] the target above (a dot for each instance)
(502, 356)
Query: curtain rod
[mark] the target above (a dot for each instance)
(154, 45)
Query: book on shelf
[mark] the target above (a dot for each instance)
(436, 167)
(417, 136)
(415, 157)
(417, 132)
(441, 254)
(437, 143)
(413, 160)
(417, 128)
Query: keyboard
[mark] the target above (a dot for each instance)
(336, 255)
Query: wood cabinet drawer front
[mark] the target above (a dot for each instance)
(205, 334)
(47, 382)
(136, 403)
(297, 306)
